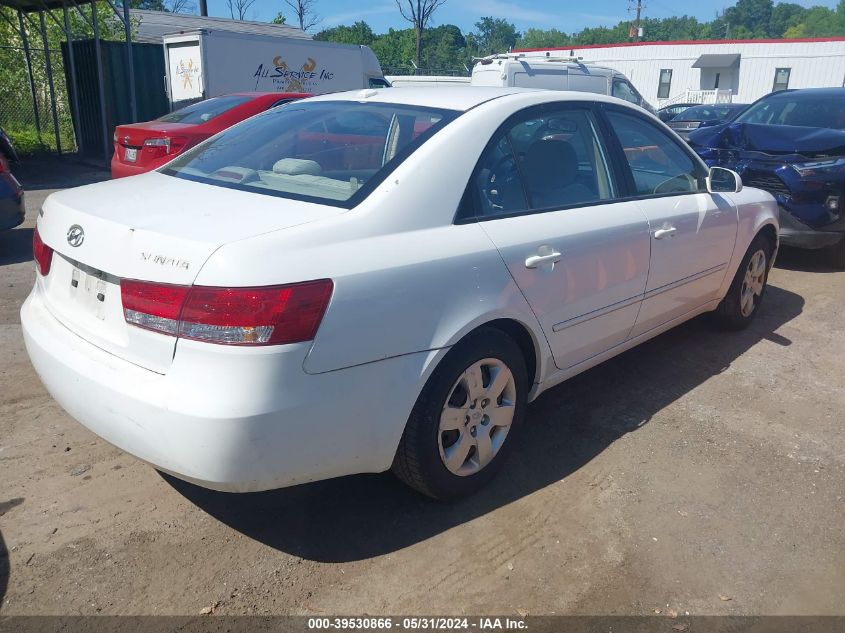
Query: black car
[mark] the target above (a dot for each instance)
(705, 116)
(792, 144)
(670, 112)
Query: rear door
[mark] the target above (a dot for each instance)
(692, 232)
(185, 71)
(544, 194)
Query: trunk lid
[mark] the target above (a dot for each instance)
(135, 134)
(154, 228)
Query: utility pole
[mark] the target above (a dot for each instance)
(635, 32)
(203, 7)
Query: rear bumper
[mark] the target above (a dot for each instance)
(795, 233)
(229, 419)
(119, 169)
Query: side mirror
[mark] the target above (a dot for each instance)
(721, 180)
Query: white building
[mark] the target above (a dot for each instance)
(741, 71)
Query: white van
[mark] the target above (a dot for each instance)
(516, 70)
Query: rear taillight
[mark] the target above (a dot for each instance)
(4, 166)
(42, 253)
(166, 145)
(267, 315)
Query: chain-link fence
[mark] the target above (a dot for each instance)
(32, 126)
(438, 72)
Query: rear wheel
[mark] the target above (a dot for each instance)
(462, 425)
(742, 302)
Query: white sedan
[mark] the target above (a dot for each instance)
(380, 280)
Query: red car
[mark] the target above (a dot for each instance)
(141, 147)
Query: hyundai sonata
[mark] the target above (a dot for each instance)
(380, 280)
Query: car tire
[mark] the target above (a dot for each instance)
(745, 295)
(456, 440)
(836, 255)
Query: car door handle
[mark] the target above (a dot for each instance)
(538, 260)
(666, 230)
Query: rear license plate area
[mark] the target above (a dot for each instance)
(90, 290)
(131, 154)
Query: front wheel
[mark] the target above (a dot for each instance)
(463, 423)
(742, 302)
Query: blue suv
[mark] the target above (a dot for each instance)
(791, 144)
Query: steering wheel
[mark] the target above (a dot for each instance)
(497, 177)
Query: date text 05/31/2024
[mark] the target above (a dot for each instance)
(418, 623)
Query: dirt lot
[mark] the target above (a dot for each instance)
(702, 472)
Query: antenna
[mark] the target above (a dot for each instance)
(635, 33)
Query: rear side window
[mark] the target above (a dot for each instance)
(204, 110)
(550, 161)
(658, 165)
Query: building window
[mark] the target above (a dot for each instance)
(781, 79)
(718, 77)
(665, 87)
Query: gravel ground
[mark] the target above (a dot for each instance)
(701, 472)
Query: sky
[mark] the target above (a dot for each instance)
(525, 14)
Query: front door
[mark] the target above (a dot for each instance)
(692, 231)
(544, 194)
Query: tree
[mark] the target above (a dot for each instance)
(279, 19)
(148, 5)
(494, 35)
(444, 49)
(784, 16)
(753, 16)
(303, 10)
(359, 33)
(538, 38)
(818, 22)
(394, 49)
(238, 8)
(418, 13)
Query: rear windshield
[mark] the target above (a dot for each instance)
(323, 151)
(795, 108)
(204, 110)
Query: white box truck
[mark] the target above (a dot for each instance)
(208, 63)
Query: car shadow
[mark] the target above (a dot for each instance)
(803, 260)
(15, 246)
(5, 567)
(362, 516)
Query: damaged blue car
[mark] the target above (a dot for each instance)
(791, 144)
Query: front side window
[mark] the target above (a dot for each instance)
(781, 79)
(549, 161)
(665, 86)
(322, 151)
(658, 164)
(205, 110)
(625, 91)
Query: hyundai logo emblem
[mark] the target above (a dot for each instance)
(75, 235)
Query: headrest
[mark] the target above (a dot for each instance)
(297, 166)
